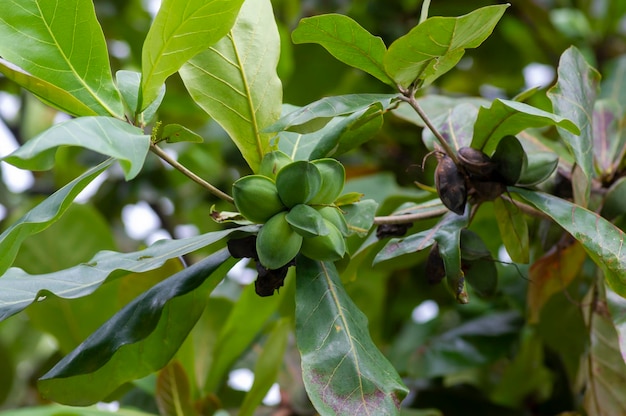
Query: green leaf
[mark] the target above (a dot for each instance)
(329, 107)
(539, 167)
(513, 230)
(19, 289)
(617, 307)
(609, 144)
(139, 339)
(247, 318)
(360, 216)
(602, 240)
(474, 343)
(174, 133)
(436, 45)
(61, 42)
(573, 97)
(173, 394)
(129, 84)
(343, 371)
(104, 135)
(615, 200)
(347, 41)
(178, 33)
(506, 117)
(267, 366)
(39, 218)
(235, 80)
(613, 86)
(46, 91)
(455, 125)
(58, 410)
(605, 392)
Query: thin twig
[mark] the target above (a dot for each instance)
(176, 165)
(409, 97)
(407, 218)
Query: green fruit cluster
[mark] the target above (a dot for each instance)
(295, 202)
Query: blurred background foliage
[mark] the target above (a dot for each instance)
(478, 359)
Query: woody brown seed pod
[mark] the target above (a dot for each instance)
(475, 162)
(450, 184)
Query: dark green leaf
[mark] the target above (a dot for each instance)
(177, 34)
(235, 80)
(436, 45)
(513, 230)
(474, 343)
(602, 240)
(330, 107)
(139, 339)
(104, 135)
(61, 42)
(615, 200)
(506, 117)
(343, 371)
(539, 167)
(510, 158)
(346, 40)
(19, 289)
(38, 219)
(573, 97)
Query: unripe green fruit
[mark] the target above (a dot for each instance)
(256, 198)
(336, 217)
(272, 162)
(306, 221)
(298, 183)
(333, 178)
(277, 243)
(328, 247)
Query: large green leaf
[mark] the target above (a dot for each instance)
(19, 289)
(235, 80)
(139, 339)
(346, 40)
(48, 92)
(61, 42)
(338, 136)
(602, 240)
(105, 135)
(506, 117)
(329, 107)
(573, 97)
(455, 126)
(344, 373)
(180, 31)
(40, 217)
(436, 45)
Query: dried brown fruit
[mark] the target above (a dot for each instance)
(450, 184)
(475, 162)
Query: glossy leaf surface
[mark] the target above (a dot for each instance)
(436, 45)
(179, 32)
(139, 339)
(235, 80)
(104, 135)
(19, 289)
(38, 219)
(602, 240)
(61, 42)
(346, 40)
(573, 97)
(506, 117)
(344, 373)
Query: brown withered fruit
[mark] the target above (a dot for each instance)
(450, 184)
(476, 163)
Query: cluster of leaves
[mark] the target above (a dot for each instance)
(171, 317)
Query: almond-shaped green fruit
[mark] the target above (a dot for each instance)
(330, 247)
(298, 182)
(277, 243)
(336, 217)
(306, 221)
(333, 178)
(256, 198)
(273, 162)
